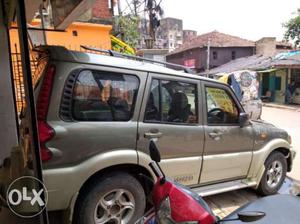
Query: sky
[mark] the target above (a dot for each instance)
(249, 19)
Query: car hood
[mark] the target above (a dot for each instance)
(264, 131)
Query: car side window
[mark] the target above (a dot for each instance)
(172, 102)
(221, 108)
(104, 96)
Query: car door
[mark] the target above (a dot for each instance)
(170, 114)
(228, 147)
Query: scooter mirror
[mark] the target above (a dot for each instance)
(250, 216)
(154, 153)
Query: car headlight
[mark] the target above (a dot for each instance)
(164, 214)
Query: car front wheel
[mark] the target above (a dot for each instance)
(118, 198)
(274, 175)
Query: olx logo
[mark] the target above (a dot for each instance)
(24, 196)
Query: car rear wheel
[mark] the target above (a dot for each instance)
(115, 199)
(274, 175)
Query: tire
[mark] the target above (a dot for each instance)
(274, 175)
(115, 197)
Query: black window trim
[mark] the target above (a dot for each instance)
(68, 98)
(160, 102)
(229, 91)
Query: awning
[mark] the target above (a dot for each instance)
(267, 70)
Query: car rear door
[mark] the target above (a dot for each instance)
(228, 147)
(169, 113)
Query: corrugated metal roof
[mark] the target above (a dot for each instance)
(256, 63)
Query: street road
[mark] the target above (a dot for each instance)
(290, 121)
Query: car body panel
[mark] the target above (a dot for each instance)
(181, 145)
(229, 155)
(64, 183)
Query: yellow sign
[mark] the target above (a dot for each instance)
(221, 99)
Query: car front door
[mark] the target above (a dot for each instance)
(170, 114)
(228, 147)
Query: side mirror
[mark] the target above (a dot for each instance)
(243, 119)
(154, 153)
(245, 217)
(250, 216)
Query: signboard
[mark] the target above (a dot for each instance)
(191, 63)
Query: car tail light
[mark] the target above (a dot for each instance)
(45, 131)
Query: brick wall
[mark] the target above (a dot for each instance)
(101, 9)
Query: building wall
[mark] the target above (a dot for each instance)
(188, 35)
(224, 55)
(169, 34)
(181, 57)
(266, 46)
(77, 34)
(101, 9)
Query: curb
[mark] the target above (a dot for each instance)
(281, 107)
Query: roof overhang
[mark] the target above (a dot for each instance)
(64, 11)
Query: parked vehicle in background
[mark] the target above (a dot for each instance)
(246, 87)
(97, 113)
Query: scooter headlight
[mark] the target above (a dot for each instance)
(164, 214)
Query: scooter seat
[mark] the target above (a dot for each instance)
(279, 209)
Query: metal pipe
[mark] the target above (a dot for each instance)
(29, 96)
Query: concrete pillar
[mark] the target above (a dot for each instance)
(8, 125)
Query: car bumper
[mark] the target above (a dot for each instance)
(291, 158)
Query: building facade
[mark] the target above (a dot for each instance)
(222, 49)
(278, 69)
(188, 35)
(169, 34)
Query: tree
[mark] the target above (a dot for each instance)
(293, 29)
(127, 27)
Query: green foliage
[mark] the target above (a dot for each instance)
(293, 29)
(127, 28)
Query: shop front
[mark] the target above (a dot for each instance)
(281, 85)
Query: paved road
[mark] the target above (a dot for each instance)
(290, 121)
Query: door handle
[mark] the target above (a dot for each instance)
(215, 135)
(151, 135)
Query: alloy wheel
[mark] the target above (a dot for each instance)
(274, 173)
(115, 207)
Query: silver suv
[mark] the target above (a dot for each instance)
(97, 113)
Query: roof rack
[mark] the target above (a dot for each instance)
(120, 55)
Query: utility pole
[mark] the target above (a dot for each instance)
(135, 3)
(119, 8)
(208, 57)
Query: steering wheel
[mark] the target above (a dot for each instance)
(216, 114)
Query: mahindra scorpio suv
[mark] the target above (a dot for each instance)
(96, 114)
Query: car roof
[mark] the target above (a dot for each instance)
(60, 53)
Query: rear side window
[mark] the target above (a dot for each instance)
(104, 96)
